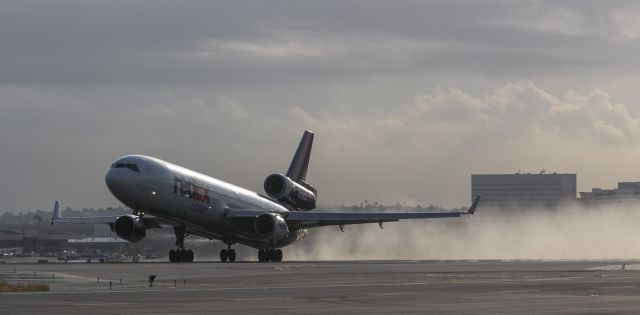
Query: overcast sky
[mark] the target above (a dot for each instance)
(407, 98)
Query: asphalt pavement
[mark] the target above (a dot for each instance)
(372, 287)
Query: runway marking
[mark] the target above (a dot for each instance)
(620, 287)
(202, 288)
(259, 299)
(554, 279)
(102, 304)
(520, 291)
(393, 293)
(616, 267)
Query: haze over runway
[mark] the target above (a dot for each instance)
(225, 88)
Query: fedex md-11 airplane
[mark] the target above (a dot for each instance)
(164, 194)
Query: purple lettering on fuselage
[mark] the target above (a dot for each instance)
(191, 190)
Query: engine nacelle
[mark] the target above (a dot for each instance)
(271, 226)
(282, 188)
(130, 228)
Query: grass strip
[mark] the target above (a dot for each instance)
(23, 287)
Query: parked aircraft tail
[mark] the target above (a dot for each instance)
(56, 211)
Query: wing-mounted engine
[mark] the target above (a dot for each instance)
(130, 228)
(271, 226)
(290, 193)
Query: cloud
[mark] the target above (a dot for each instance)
(435, 142)
(627, 23)
(245, 44)
(227, 88)
(422, 152)
(523, 107)
(514, 112)
(272, 50)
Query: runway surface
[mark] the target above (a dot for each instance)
(378, 287)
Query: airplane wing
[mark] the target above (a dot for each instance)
(314, 219)
(149, 221)
(303, 219)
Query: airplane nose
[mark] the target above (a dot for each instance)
(113, 182)
(123, 187)
(111, 179)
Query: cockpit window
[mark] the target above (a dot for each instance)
(130, 166)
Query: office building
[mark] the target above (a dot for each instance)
(523, 191)
(626, 193)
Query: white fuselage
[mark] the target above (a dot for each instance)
(182, 197)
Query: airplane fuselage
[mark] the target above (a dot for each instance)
(182, 197)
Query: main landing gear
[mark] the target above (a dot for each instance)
(180, 254)
(228, 253)
(266, 255)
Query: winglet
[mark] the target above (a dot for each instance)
(56, 212)
(472, 210)
(298, 168)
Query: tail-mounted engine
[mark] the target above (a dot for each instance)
(130, 228)
(271, 226)
(285, 190)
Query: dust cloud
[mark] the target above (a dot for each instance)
(569, 233)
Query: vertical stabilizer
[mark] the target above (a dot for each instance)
(298, 168)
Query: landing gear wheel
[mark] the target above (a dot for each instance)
(180, 254)
(272, 255)
(278, 255)
(228, 253)
(264, 255)
(224, 254)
